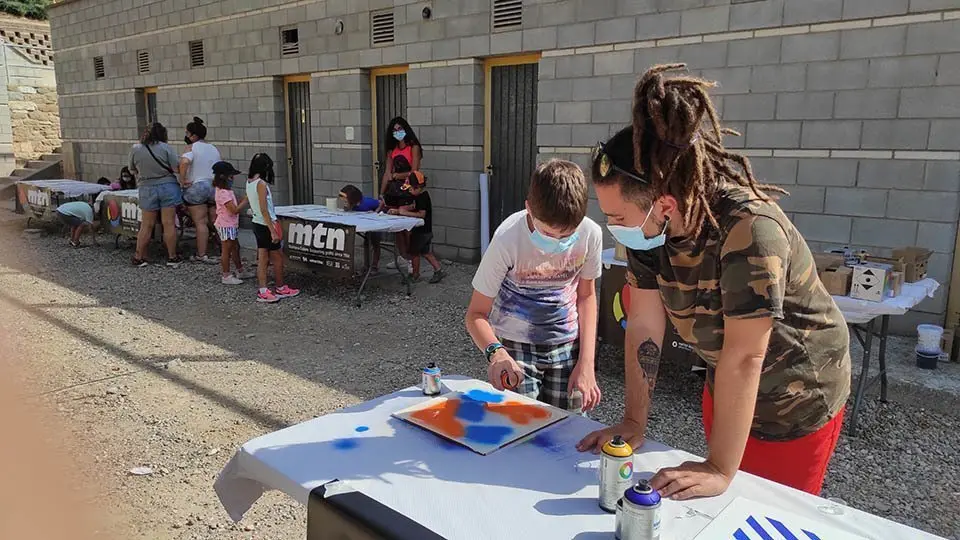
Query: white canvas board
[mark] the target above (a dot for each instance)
(745, 519)
(482, 420)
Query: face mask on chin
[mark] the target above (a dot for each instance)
(634, 238)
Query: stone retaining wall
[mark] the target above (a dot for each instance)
(35, 118)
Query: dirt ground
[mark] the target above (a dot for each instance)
(168, 369)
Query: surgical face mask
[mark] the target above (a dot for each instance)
(550, 245)
(186, 139)
(633, 237)
(400, 135)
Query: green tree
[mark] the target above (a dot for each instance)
(33, 9)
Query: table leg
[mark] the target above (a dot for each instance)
(366, 263)
(396, 261)
(864, 375)
(884, 328)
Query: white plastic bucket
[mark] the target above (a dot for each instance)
(928, 338)
(333, 203)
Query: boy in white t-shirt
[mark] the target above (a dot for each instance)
(534, 307)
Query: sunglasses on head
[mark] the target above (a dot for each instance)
(606, 167)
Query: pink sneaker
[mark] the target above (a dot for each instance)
(286, 292)
(267, 297)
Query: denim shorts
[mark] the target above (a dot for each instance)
(71, 221)
(155, 197)
(199, 193)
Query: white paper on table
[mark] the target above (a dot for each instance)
(744, 519)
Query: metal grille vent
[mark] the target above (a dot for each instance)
(196, 53)
(143, 62)
(507, 14)
(382, 28)
(98, 71)
(289, 42)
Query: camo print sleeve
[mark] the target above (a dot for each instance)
(642, 268)
(753, 262)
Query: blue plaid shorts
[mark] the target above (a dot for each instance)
(546, 370)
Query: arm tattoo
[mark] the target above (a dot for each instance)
(648, 356)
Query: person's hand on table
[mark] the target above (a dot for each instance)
(585, 380)
(631, 431)
(393, 212)
(690, 480)
(503, 366)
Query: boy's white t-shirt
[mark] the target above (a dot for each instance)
(202, 156)
(535, 293)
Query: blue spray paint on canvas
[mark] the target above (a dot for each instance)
(345, 444)
(361, 429)
(488, 434)
(484, 396)
(471, 411)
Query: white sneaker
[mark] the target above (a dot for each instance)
(231, 280)
(206, 259)
(247, 273)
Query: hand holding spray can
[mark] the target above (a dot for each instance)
(430, 379)
(638, 513)
(616, 472)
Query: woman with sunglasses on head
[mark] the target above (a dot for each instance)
(709, 248)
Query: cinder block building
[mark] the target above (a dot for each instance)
(852, 105)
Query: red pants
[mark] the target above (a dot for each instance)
(800, 463)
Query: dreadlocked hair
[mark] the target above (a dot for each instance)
(678, 143)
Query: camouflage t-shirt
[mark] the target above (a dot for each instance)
(757, 265)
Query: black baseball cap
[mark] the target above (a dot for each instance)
(225, 167)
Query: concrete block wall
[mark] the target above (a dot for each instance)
(849, 104)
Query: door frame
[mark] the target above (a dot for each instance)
(303, 77)
(374, 128)
(488, 65)
(147, 92)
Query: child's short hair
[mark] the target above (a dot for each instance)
(353, 194)
(558, 194)
(103, 181)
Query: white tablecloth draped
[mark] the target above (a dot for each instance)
(69, 188)
(540, 487)
(363, 221)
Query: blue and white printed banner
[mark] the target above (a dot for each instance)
(744, 519)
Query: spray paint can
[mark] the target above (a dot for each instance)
(430, 379)
(616, 472)
(638, 513)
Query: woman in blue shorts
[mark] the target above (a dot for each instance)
(153, 160)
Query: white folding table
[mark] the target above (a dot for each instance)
(540, 487)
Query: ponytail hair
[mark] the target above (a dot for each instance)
(155, 133)
(197, 128)
(262, 165)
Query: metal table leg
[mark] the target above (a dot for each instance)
(867, 342)
(884, 326)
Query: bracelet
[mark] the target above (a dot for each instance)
(492, 349)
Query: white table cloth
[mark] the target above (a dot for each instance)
(537, 488)
(363, 221)
(69, 188)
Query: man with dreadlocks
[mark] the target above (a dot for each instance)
(709, 248)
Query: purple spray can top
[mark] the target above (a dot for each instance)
(642, 494)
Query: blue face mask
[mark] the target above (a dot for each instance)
(550, 245)
(633, 237)
(400, 135)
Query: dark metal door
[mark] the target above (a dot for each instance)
(300, 160)
(391, 103)
(151, 107)
(513, 138)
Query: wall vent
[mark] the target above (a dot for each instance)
(98, 71)
(196, 53)
(382, 28)
(289, 42)
(143, 62)
(507, 14)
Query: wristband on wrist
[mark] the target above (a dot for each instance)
(492, 349)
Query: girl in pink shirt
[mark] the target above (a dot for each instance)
(228, 222)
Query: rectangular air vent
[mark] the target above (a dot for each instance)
(196, 53)
(507, 14)
(98, 71)
(289, 42)
(143, 62)
(381, 27)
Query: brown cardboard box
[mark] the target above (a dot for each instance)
(897, 264)
(837, 280)
(946, 343)
(915, 259)
(827, 261)
(620, 252)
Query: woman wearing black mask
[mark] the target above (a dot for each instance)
(196, 177)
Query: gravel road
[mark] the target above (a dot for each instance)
(168, 369)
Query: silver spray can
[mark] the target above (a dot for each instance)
(616, 472)
(430, 379)
(638, 513)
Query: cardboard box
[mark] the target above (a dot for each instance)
(915, 259)
(870, 282)
(620, 252)
(897, 264)
(946, 343)
(837, 280)
(827, 261)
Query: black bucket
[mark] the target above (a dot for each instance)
(927, 360)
